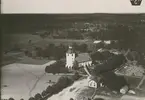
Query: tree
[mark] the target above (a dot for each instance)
(38, 96)
(75, 46)
(60, 51)
(89, 99)
(43, 93)
(56, 88)
(39, 52)
(75, 65)
(49, 89)
(83, 48)
(31, 98)
(107, 54)
(64, 82)
(49, 69)
(52, 50)
(76, 76)
(71, 99)
(58, 67)
(97, 56)
(11, 98)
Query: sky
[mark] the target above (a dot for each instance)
(70, 6)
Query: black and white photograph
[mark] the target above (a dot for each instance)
(72, 50)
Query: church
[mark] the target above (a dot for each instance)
(82, 59)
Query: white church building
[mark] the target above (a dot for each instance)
(82, 59)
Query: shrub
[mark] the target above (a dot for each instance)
(38, 96)
(64, 82)
(71, 99)
(58, 67)
(89, 99)
(11, 98)
(56, 88)
(31, 98)
(76, 76)
(44, 93)
(49, 89)
(97, 56)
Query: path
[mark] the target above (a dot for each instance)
(21, 79)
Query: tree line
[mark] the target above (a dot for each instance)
(63, 82)
(55, 52)
(58, 67)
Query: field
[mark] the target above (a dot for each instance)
(9, 40)
(18, 80)
(22, 41)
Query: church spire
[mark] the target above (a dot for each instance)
(70, 50)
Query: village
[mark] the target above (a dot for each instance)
(81, 64)
(84, 61)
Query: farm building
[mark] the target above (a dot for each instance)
(95, 82)
(82, 59)
(105, 42)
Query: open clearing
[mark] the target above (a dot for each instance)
(18, 80)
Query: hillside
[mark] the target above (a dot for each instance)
(79, 90)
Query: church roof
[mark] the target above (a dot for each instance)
(82, 57)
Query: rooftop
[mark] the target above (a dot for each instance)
(82, 57)
(94, 78)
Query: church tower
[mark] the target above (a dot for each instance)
(70, 57)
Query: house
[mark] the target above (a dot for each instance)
(95, 82)
(97, 41)
(82, 59)
(107, 42)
